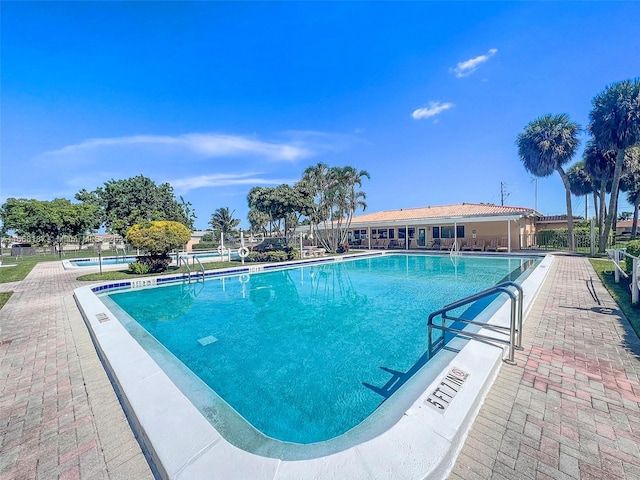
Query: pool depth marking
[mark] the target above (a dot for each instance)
(447, 389)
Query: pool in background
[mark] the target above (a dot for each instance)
(382, 415)
(127, 259)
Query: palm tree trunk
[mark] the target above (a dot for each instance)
(567, 188)
(603, 214)
(595, 207)
(634, 224)
(613, 201)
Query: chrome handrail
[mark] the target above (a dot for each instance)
(196, 259)
(514, 328)
(185, 262)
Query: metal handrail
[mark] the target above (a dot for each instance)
(196, 259)
(185, 262)
(514, 328)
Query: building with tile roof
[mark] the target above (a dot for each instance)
(470, 226)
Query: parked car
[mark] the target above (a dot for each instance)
(270, 244)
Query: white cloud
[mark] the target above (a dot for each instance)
(202, 145)
(432, 110)
(466, 68)
(183, 185)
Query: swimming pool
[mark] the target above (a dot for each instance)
(126, 260)
(188, 431)
(312, 343)
(94, 262)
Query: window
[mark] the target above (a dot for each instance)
(436, 232)
(448, 232)
(391, 230)
(401, 233)
(382, 233)
(412, 232)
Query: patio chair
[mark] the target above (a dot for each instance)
(492, 246)
(502, 245)
(478, 245)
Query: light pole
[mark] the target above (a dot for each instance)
(99, 248)
(535, 207)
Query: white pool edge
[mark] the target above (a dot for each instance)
(181, 443)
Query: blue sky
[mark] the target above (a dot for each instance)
(217, 97)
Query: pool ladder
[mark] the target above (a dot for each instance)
(514, 330)
(185, 261)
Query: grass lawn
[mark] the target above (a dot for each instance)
(4, 298)
(619, 291)
(127, 275)
(23, 265)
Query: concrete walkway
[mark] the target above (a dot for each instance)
(59, 415)
(571, 407)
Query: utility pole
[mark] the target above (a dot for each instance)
(503, 192)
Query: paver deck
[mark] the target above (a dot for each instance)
(59, 415)
(570, 408)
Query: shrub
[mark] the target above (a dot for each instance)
(139, 268)
(343, 248)
(158, 237)
(274, 255)
(155, 263)
(633, 248)
(206, 246)
(292, 254)
(271, 256)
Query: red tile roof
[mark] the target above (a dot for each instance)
(460, 210)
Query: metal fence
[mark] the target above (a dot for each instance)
(559, 240)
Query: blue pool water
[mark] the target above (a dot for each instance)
(94, 262)
(90, 262)
(296, 352)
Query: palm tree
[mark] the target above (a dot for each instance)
(336, 198)
(581, 183)
(630, 183)
(222, 220)
(600, 166)
(349, 199)
(546, 144)
(614, 122)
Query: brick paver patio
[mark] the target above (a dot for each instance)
(569, 409)
(59, 415)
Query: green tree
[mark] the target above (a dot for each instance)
(123, 203)
(546, 145)
(337, 196)
(49, 222)
(158, 238)
(258, 221)
(614, 123)
(282, 206)
(222, 221)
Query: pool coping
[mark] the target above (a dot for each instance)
(181, 443)
(69, 265)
